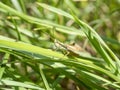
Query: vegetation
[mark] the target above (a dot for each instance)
(59, 45)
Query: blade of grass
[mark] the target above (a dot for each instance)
(22, 4)
(16, 5)
(58, 11)
(16, 28)
(44, 79)
(20, 84)
(30, 48)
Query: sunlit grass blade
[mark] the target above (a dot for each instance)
(20, 46)
(22, 4)
(16, 5)
(19, 84)
(58, 11)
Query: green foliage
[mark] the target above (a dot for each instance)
(36, 51)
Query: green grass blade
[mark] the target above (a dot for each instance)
(22, 4)
(16, 28)
(20, 84)
(20, 46)
(44, 79)
(58, 11)
(16, 5)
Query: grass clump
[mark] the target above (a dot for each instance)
(45, 46)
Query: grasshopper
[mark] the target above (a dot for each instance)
(73, 50)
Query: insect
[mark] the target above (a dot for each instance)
(73, 50)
